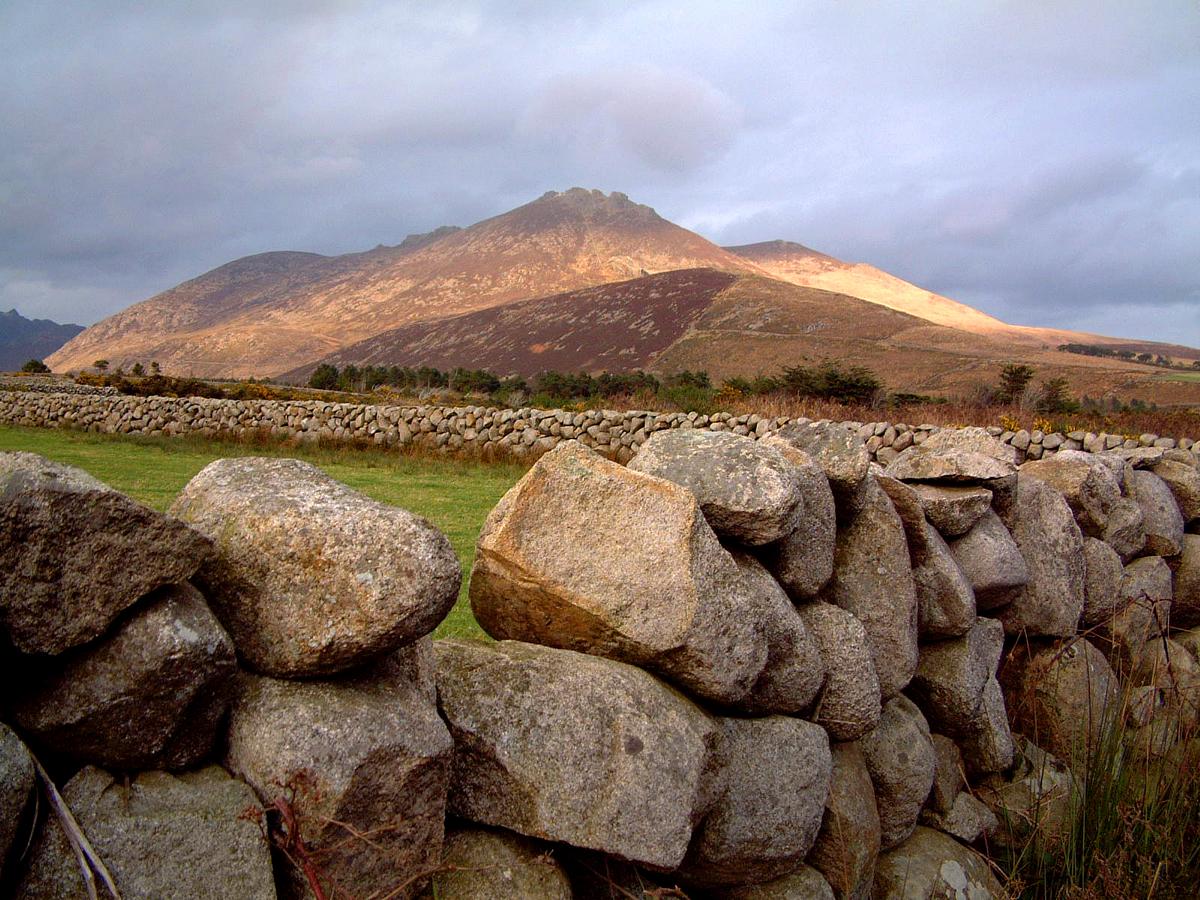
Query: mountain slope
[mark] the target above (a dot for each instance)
(268, 314)
(24, 339)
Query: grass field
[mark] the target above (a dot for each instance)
(454, 494)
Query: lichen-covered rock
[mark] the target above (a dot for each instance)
(968, 819)
(1161, 517)
(804, 884)
(1086, 483)
(848, 843)
(1102, 573)
(364, 762)
(848, 705)
(953, 510)
(949, 776)
(74, 553)
(947, 464)
(802, 561)
(872, 579)
(747, 490)
(160, 836)
(1185, 604)
(587, 555)
(1141, 612)
(17, 781)
(309, 576)
(1052, 546)
(794, 671)
(773, 776)
(991, 561)
(900, 758)
(840, 452)
(489, 864)
(1061, 696)
(975, 440)
(949, 682)
(574, 748)
(1035, 797)
(933, 866)
(151, 694)
(1184, 483)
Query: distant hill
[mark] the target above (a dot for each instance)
(24, 339)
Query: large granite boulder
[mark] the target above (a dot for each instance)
(973, 439)
(1141, 612)
(489, 864)
(987, 744)
(1035, 797)
(934, 866)
(1061, 696)
(991, 561)
(1086, 483)
(364, 764)
(947, 464)
(773, 776)
(848, 705)
(149, 695)
(160, 836)
(309, 576)
(872, 580)
(1052, 546)
(794, 671)
(1185, 604)
(802, 561)
(951, 677)
(838, 450)
(574, 748)
(1102, 573)
(585, 554)
(1161, 517)
(900, 757)
(1183, 481)
(848, 843)
(74, 553)
(803, 884)
(747, 490)
(17, 781)
(1126, 529)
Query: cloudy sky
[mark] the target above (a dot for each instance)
(1039, 160)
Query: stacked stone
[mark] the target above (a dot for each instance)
(263, 647)
(524, 432)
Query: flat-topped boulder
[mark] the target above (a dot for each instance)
(309, 576)
(839, 451)
(150, 694)
(950, 464)
(953, 509)
(568, 747)
(585, 554)
(747, 490)
(74, 553)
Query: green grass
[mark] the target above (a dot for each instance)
(1180, 376)
(454, 494)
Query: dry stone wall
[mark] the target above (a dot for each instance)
(517, 432)
(741, 668)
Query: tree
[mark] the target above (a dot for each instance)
(36, 367)
(1055, 396)
(138, 369)
(324, 377)
(1014, 378)
(101, 364)
(155, 368)
(1196, 364)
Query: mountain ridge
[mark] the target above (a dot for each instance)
(23, 339)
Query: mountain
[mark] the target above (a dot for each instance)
(726, 324)
(24, 339)
(270, 313)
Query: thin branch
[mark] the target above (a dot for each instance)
(85, 853)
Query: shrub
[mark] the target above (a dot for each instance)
(35, 367)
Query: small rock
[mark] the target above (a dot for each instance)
(151, 694)
(74, 553)
(952, 674)
(1036, 797)
(489, 864)
(311, 577)
(991, 561)
(848, 705)
(802, 561)
(1126, 529)
(1101, 581)
(747, 490)
(987, 745)
(968, 819)
(953, 510)
(804, 884)
(1141, 612)
(160, 836)
(840, 453)
(900, 758)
